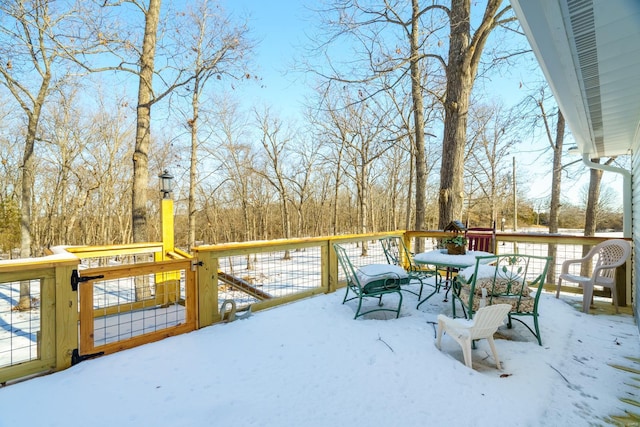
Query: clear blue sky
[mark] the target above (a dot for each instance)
(280, 29)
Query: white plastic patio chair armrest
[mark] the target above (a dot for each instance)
(567, 263)
(455, 323)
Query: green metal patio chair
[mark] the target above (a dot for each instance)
(371, 281)
(513, 279)
(398, 254)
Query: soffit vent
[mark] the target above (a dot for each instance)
(582, 22)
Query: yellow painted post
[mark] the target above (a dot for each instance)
(167, 284)
(166, 212)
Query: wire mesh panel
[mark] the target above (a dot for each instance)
(260, 276)
(374, 255)
(135, 304)
(20, 329)
(561, 251)
(133, 316)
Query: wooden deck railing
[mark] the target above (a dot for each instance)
(257, 274)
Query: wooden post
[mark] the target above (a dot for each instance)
(329, 268)
(167, 284)
(66, 316)
(207, 290)
(621, 284)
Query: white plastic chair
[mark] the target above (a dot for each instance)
(484, 324)
(611, 254)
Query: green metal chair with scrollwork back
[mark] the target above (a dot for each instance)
(513, 279)
(398, 254)
(371, 281)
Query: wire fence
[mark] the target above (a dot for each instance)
(19, 329)
(139, 300)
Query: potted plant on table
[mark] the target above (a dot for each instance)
(455, 245)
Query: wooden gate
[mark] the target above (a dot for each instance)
(129, 305)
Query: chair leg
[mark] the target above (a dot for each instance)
(537, 328)
(345, 295)
(399, 304)
(614, 297)
(453, 305)
(587, 293)
(439, 337)
(493, 350)
(558, 288)
(359, 307)
(466, 351)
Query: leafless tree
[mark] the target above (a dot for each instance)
(213, 47)
(465, 51)
(593, 208)
(363, 136)
(59, 193)
(556, 141)
(390, 44)
(237, 159)
(331, 130)
(302, 177)
(137, 57)
(391, 38)
(276, 140)
(491, 136)
(37, 39)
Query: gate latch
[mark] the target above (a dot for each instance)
(75, 279)
(196, 263)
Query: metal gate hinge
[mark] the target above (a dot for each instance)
(195, 264)
(77, 358)
(75, 279)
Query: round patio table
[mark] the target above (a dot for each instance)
(440, 259)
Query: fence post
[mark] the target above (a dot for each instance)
(622, 284)
(331, 266)
(207, 306)
(66, 315)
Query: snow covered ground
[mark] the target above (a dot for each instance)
(310, 364)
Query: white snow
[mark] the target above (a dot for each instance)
(309, 363)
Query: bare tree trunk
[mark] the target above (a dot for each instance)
(28, 172)
(28, 181)
(418, 118)
(464, 57)
(143, 137)
(592, 211)
(554, 207)
(591, 214)
(334, 212)
(194, 162)
(459, 83)
(556, 179)
(363, 195)
(409, 204)
(143, 126)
